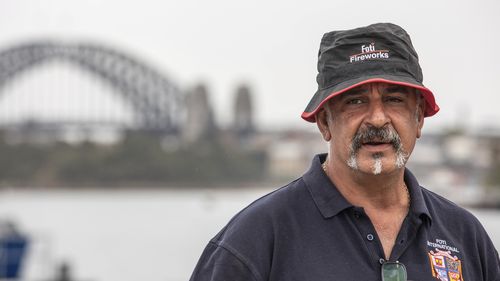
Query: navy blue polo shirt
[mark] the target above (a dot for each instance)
(308, 231)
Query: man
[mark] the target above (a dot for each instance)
(357, 214)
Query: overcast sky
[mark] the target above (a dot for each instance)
(273, 45)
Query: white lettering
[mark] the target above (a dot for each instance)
(368, 53)
(443, 247)
(442, 242)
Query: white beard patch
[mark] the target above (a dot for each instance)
(377, 165)
(401, 158)
(352, 162)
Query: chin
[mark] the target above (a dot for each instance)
(377, 164)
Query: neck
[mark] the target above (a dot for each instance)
(384, 198)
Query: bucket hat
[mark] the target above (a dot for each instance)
(380, 52)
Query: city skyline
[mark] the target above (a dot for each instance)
(273, 46)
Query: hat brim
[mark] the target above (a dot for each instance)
(323, 95)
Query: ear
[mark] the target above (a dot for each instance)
(322, 123)
(420, 120)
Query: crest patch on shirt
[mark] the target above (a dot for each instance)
(444, 266)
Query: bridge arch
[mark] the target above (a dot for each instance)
(155, 100)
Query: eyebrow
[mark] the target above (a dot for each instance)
(398, 88)
(354, 91)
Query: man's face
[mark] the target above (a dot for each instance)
(372, 128)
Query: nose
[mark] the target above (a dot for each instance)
(377, 115)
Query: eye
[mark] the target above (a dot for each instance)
(394, 99)
(354, 101)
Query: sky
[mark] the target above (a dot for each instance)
(272, 46)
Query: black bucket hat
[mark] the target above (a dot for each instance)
(380, 52)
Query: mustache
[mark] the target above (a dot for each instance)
(386, 134)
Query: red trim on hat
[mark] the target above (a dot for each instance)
(431, 109)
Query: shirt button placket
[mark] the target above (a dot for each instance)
(370, 237)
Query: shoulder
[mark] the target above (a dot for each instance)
(249, 237)
(442, 208)
(263, 215)
(465, 232)
(448, 215)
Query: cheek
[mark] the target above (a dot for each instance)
(409, 136)
(342, 134)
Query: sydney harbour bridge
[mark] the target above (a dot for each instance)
(155, 101)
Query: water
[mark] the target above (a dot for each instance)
(130, 235)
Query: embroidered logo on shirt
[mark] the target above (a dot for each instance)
(444, 266)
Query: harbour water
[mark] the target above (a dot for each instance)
(130, 235)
